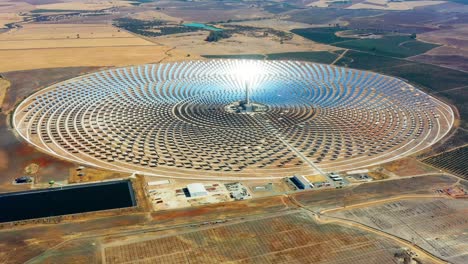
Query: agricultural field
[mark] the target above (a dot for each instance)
(278, 24)
(59, 32)
(437, 225)
(446, 57)
(239, 43)
(83, 5)
(9, 18)
(151, 28)
(453, 54)
(389, 5)
(385, 45)
(453, 161)
(210, 11)
(292, 238)
(237, 38)
(67, 45)
(86, 56)
(321, 17)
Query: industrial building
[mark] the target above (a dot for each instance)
(302, 182)
(196, 190)
(335, 176)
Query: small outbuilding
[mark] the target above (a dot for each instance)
(196, 190)
(24, 179)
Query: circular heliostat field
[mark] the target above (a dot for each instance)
(232, 118)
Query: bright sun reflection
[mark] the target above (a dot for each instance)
(249, 73)
(247, 70)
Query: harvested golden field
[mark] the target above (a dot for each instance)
(6, 18)
(37, 46)
(91, 56)
(239, 44)
(40, 36)
(72, 43)
(85, 5)
(64, 31)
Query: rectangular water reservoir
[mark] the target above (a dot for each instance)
(66, 200)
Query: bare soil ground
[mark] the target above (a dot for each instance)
(408, 167)
(93, 175)
(221, 211)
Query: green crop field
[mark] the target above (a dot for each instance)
(367, 61)
(401, 46)
(321, 35)
(392, 46)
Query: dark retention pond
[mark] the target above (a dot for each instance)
(66, 200)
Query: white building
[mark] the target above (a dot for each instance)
(196, 190)
(302, 182)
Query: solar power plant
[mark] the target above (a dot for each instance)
(437, 225)
(232, 118)
(453, 161)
